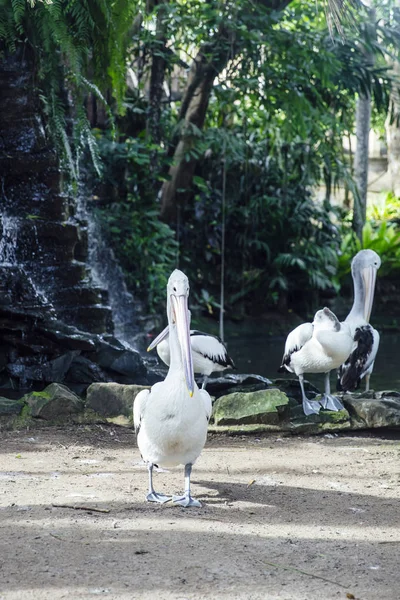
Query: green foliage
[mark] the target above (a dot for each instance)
(389, 210)
(146, 247)
(280, 243)
(380, 235)
(76, 48)
(282, 101)
(276, 119)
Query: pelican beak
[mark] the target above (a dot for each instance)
(369, 277)
(182, 320)
(161, 336)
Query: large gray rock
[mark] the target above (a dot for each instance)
(54, 402)
(236, 382)
(325, 421)
(112, 399)
(53, 370)
(374, 412)
(264, 406)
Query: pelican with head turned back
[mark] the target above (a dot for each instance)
(360, 362)
(209, 352)
(318, 347)
(171, 419)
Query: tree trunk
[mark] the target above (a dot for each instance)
(157, 75)
(393, 137)
(210, 61)
(363, 125)
(158, 65)
(363, 120)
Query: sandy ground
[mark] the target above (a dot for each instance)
(288, 518)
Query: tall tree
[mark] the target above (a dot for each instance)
(157, 76)
(363, 126)
(361, 160)
(211, 59)
(393, 135)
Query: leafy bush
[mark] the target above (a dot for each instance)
(388, 211)
(383, 238)
(281, 245)
(145, 247)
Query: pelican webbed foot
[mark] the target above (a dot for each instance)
(186, 501)
(331, 403)
(160, 498)
(311, 407)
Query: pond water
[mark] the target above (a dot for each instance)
(254, 351)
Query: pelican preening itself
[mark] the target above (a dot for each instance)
(360, 363)
(318, 347)
(208, 351)
(171, 419)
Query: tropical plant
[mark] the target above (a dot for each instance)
(76, 49)
(145, 246)
(388, 210)
(255, 93)
(383, 238)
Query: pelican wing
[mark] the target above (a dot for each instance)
(210, 347)
(295, 341)
(139, 405)
(205, 396)
(362, 357)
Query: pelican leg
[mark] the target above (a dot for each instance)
(186, 500)
(367, 378)
(152, 496)
(203, 387)
(328, 401)
(310, 407)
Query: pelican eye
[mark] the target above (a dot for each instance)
(174, 289)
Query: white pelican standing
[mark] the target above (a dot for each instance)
(209, 352)
(171, 419)
(360, 363)
(318, 347)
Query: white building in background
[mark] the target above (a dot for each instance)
(379, 184)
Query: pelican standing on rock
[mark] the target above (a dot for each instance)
(360, 363)
(209, 352)
(318, 347)
(171, 419)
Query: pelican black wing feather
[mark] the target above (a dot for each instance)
(222, 358)
(286, 359)
(350, 372)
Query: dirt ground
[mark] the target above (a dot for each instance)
(283, 518)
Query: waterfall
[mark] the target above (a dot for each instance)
(9, 246)
(107, 274)
(9, 241)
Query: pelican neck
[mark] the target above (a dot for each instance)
(357, 310)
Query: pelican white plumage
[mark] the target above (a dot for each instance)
(171, 419)
(360, 363)
(209, 352)
(318, 347)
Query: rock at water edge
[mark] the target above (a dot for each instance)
(264, 406)
(113, 399)
(55, 401)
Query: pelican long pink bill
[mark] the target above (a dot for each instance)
(369, 277)
(157, 340)
(182, 320)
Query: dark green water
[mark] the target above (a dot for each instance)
(254, 351)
